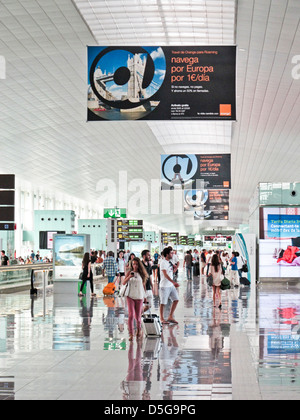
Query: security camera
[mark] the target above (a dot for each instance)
(293, 193)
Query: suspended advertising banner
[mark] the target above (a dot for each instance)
(196, 172)
(207, 204)
(161, 83)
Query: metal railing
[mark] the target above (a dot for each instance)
(17, 277)
(33, 276)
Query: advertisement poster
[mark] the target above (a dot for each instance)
(161, 83)
(279, 244)
(211, 215)
(68, 255)
(207, 200)
(196, 172)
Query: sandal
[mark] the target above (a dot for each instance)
(139, 334)
(172, 321)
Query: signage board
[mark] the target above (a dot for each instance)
(7, 226)
(161, 83)
(196, 172)
(68, 252)
(114, 213)
(130, 230)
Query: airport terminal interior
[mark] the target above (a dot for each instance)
(166, 126)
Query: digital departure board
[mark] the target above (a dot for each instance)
(130, 230)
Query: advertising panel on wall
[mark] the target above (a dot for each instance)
(196, 171)
(68, 252)
(161, 83)
(279, 242)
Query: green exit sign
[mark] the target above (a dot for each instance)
(114, 213)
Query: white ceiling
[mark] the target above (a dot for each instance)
(44, 136)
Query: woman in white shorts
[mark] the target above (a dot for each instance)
(167, 287)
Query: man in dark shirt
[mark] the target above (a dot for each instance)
(146, 256)
(4, 258)
(203, 261)
(188, 264)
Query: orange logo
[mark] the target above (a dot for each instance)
(225, 110)
(226, 184)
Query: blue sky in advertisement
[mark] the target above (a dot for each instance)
(113, 60)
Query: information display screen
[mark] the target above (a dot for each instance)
(7, 214)
(279, 244)
(7, 198)
(130, 230)
(7, 182)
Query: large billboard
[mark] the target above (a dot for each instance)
(162, 83)
(194, 172)
(279, 242)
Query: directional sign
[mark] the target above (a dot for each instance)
(114, 213)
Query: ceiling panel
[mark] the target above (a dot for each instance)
(44, 136)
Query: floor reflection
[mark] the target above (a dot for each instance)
(279, 340)
(191, 360)
(7, 388)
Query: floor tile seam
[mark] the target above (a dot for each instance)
(43, 373)
(237, 385)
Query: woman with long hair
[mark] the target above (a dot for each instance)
(215, 270)
(129, 263)
(87, 274)
(136, 280)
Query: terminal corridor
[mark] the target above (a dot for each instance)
(59, 350)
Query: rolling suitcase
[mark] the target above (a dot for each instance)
(245, 281)
(109, 289)
(151, 325)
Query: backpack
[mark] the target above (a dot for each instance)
(109, 289)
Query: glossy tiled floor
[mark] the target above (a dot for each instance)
(68, 348)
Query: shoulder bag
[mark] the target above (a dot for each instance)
(124, 291)
(210, 280)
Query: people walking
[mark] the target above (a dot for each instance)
(110, 267)
(136, 280)
(187, 263)
(87, 274)
(215, 269)
(202, 262)
(167, 287)
(234, 276)
(4, 258)
(146, 257)
(121, 267)
(208, 260)
(155, 266)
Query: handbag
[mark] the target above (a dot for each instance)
(245, 268)
(124, 290)
(225, 284)
(210, 280)
(81, 275)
